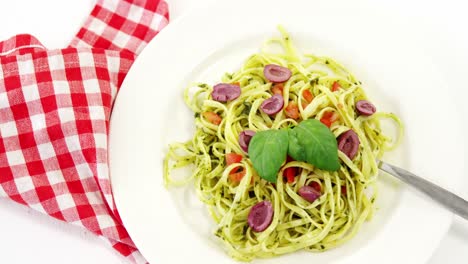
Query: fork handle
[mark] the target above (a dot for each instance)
(452, 202)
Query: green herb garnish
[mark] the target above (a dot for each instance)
(310, 141)
(314, 143)
(267, 151)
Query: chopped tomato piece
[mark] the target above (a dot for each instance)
(212, 117)
(232, 158)
(307, 96)
(331, 115)
(326, 122)
(237, 177)
(327, 115)
(336, 86)
(316, 186)
(277, 88)
(292, 111)
(343, 190)
(328, 118)
(290, 174)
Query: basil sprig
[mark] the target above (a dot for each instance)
(310, 141)
(267, 151)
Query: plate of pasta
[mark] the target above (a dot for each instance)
(257, 138)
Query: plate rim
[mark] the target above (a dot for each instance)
(169, 28)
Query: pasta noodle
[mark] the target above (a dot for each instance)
(347, 195)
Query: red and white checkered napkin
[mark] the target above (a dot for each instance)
(54, 116)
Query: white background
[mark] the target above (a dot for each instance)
(29, 237)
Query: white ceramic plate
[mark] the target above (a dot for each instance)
(171, 226)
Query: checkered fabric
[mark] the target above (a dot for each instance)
(54, 116)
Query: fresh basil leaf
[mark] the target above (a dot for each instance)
(295, 149)
(267, 151)
(317, 143)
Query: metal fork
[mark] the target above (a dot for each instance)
(452, 202)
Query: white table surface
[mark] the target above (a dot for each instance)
(30, 237)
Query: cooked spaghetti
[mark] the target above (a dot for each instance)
(318, 88)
